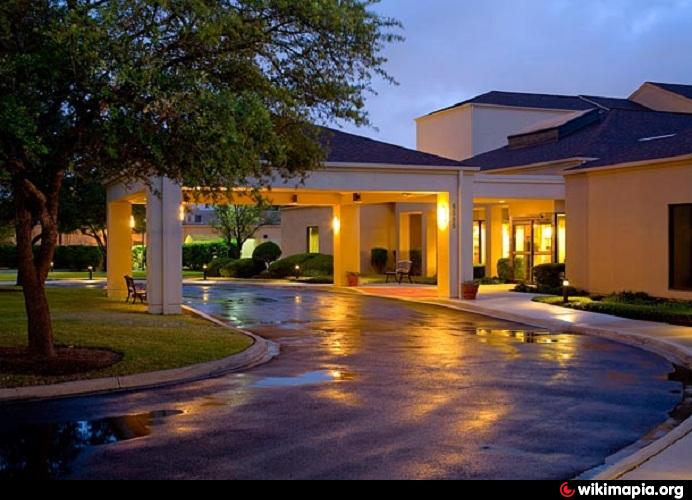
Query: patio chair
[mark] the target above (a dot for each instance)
(404, 269)
(134, 291)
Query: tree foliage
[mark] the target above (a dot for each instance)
(237, 223)
(206, 92)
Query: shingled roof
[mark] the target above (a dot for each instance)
(618, 136)
(343, 147)
(548, 101)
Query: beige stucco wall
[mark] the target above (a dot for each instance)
(447, 133)
(470, 130)
(294, 224)
(378, 230)
(617, 227)
(659, 99)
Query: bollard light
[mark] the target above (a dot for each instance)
(204, 268)
(297, 270)
(565, 291)
(91, 272)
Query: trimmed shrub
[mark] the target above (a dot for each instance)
(242, 268)
(214, 268)
(549, 275)
(417, 259)
(266, 253)
(378, 259)
(505, 273)
(8, 256)
(195, 255)
(139, 257)
(308, 262)
(76, 257)
(478, 272)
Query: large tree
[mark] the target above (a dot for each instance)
(238, 223)
(206, 92)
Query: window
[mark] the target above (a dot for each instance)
(479, 243)
(680, 220)
(198, 219)
(313, 239)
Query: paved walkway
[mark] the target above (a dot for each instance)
(667, 459)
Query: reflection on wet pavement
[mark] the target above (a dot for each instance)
(44, 450)
(373, 388)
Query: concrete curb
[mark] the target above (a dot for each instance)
(616, 465)
(260, 352)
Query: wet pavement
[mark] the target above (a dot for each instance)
(364, 387)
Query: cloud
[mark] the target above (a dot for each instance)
(457, 49)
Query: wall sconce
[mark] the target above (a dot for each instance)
(181, 213)
(442, 216)
(336, 225)
(132, 222)
(357, 198)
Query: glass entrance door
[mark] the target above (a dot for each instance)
(533, 243)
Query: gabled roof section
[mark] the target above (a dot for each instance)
(343, 147)
(676, 88)
(618, 136)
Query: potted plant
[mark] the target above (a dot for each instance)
(469, 290)
(352, 278)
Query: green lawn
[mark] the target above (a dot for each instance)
(11, 275)
(86, 318)
(648, 309)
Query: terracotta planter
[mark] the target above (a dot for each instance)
(352, 279)
(469, 290)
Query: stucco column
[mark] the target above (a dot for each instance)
(119, 248)
(493, 243)
(404, 250)
(447, 245)
(430, 243)
(466, 225)
(164, 250)
(346, 228)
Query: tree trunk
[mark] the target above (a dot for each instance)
(33, 271)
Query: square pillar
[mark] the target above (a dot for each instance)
(346, 229)
(493, 243)
(447, 245)
(164, 248)
(466, 180)
(119, 254)
(404, 249)
(430, 243)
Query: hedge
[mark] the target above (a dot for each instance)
(242, 268)
(72, 257)
(478, 272)
(214, 268)
(505, 272)
(416, 257)
(196, 255)
(267, 253)
(378, 259)
(311, 264)
(549, 275)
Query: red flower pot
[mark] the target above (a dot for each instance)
(469, 290)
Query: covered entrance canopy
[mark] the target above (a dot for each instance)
(345, 184)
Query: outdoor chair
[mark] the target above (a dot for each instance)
(404, 269)
(134, 291)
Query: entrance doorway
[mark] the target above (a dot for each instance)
(533, 242)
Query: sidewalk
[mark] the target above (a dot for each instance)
(669, 458)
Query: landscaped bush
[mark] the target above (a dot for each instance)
(139, 257)
(242, 268)
(505, 273)
(214, 268)
(77, 257)
(653, 309)
(478, 272)
(549, 275)
(195, 255)
(267, 253)
(378, 259)
(417, 259)
(308, 262)
(8, 256)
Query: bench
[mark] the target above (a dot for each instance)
(134, 291)
(404, 268)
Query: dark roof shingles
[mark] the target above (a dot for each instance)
(343, 147)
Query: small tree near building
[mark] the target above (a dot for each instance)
(238, 223)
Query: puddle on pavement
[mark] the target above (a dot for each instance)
(309, 378)
(527, 337)
(45, 450)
